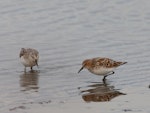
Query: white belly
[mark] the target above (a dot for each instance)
(101, 71)
(27, 62)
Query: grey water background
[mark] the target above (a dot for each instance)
(65, 33)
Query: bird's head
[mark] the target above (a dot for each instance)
(85, 64)
(22, 52)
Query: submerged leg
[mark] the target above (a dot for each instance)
(107, 75)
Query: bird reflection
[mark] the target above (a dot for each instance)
(29, 81)
(100, 92)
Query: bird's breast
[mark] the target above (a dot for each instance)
(28, 62)
(101, 70)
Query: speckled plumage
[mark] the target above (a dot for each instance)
(101, 66)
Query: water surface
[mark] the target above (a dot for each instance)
(65, 33)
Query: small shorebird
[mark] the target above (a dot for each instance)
(101, 66)
(29, 57)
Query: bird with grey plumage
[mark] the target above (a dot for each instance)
(29, 57)
(101, 66)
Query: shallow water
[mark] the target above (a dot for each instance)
(65, 33)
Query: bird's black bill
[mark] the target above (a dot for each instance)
(80, 69)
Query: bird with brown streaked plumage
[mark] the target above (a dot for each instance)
(101, 66)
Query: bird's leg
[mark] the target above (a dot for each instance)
(24, 69)
(31, 68)
(107, 75)
(111, 73)
(104, 78)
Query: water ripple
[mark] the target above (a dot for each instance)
(66, 33)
